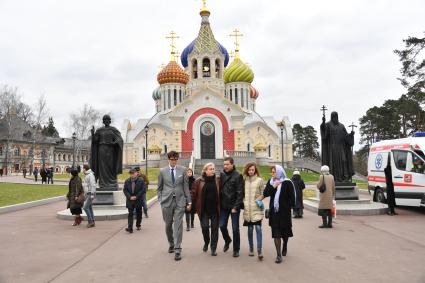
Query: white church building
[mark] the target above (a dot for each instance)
(206, 109)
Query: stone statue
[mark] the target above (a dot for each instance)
(336, 148)
(106, 155)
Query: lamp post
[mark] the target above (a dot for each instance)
(281, 125)
(74, 137)
(146, 148)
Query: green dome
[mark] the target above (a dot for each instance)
(238, 71)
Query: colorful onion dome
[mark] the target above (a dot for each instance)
(186, 52)
(253, 92)
(156, 94)
(238, 71)
(172, 73)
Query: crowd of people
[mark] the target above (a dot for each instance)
(214, 198)
(46, 174)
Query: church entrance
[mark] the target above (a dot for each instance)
(207, 140)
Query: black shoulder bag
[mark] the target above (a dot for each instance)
(322, 188)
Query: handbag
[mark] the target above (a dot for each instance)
(322, 188)
(267, 213)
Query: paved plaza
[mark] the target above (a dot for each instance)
(38, 247)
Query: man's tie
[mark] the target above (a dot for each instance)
(172, 176)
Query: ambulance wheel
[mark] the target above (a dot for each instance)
(379, 196)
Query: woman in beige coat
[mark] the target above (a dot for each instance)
(253, 207)
(326, 197)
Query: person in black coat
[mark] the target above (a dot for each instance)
(190, 215)
(390, 187)
(43, 174)
(280, 209)
(299, 187)
(134, 190)
(231, 201)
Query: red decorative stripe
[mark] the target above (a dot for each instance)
(389, 147)
(407, 185)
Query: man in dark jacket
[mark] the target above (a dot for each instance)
(231, 200)
(134, 190)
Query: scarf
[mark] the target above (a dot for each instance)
(280, 176)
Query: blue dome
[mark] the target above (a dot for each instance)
(189, 49)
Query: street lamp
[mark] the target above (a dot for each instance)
(146, 148)
(281, 125)
(74, 137)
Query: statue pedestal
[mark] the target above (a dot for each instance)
(346, 191)
(104, 198)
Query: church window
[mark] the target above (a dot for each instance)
(248, 147)
(236, 96)
(175, 97)
(180, 95)
(217, 68)
(1, 150)
(195, 69)
(64, 157)
(165, 148)
(169, 99)
(258, 129)
(231, 95)
(17, 151)
(144, 153)
(206, 68)
(270, 151)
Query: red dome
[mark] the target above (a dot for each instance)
(253, 92)
(172, 73)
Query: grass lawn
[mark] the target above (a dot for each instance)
(19, 193)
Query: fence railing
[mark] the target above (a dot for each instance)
(238, 153)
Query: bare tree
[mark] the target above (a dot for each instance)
(82, 121)
(41, 112)
(11, 103)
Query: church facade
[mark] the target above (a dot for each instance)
(206, 109)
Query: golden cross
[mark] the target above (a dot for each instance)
(236, 33)
(205, 4)
(172, 36)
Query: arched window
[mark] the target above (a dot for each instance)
(64, 157)
(180, 95)
(217, 68)
(270, 151)
(1, 150)
(165, 148)
(17, 151)
(163, 99)
(169, 98)
(175, 97)
(236, 96)
(248, 147)
(231, 95)
(206, 68)
(194, 69)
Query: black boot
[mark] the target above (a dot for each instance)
(325, 224)
(285, 246)
(329, 222)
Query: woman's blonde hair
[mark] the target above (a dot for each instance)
(204, 170)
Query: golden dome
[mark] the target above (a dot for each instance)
(172, 73)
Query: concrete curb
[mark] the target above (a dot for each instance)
(110, 213)
(25, 205)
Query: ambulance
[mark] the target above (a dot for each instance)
(407, 158)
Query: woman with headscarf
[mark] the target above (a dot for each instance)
(299, 187)
(326, 196)
(282, 197)
(75, 196)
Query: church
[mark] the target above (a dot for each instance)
(205, 109)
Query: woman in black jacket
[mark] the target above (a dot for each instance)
(281, 192)
(190, 215)
(75, 196)
(299, 187)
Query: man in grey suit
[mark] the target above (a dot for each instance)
(174, 197)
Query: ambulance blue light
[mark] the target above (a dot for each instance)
(419, 134)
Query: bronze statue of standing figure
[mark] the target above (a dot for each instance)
(336, 148)
(106, 155)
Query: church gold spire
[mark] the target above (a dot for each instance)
(204, 10)
(236, 33)
(172, 36)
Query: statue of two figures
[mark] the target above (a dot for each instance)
(337, 148)
(106, 155)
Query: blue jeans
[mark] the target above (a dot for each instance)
(259, 235)
(88, 207)
(224, 218)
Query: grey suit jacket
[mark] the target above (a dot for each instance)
(180, 189)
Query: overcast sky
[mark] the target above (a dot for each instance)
(304, 53)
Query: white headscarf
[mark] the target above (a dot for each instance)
(280, 176)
